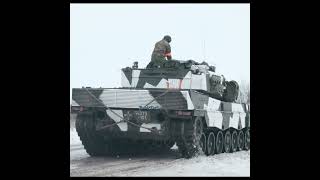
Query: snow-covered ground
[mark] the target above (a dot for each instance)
(81, 164)
(236, 164)
(74, 138)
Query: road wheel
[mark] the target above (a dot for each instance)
(219, 142)
(203, 143)
(247, 140)
(240, 140)
(227, 141)
(210, 144)
(234, 141)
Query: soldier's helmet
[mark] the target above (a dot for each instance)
(167, 38)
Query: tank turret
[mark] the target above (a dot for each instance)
(185, 75)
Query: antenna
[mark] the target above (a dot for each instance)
(204, 49)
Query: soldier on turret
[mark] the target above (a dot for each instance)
(161, 52)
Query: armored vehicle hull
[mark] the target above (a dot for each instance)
(113, 121)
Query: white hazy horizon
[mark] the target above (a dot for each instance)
(107, 37)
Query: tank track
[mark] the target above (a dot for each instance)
(227, 141)
(191, 137)
(188, 141)
(209, 141)
(96, 145)
(93, 143)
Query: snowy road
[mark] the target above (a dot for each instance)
(166, 164)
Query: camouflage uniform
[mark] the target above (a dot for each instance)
(161, 50)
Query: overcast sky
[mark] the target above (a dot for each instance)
(107, 37)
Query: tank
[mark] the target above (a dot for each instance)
(184, 103)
